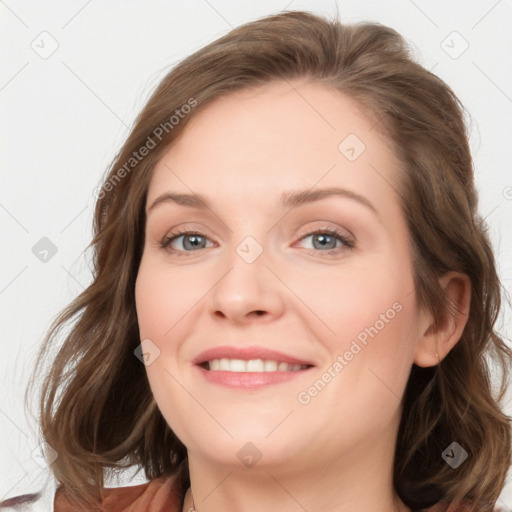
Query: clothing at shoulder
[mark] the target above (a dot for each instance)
(164, 495)
(39, 500)
(160, 495)
(462, 507)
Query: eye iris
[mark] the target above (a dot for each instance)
(324, 238)
(194, 242)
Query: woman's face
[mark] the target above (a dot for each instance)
(297, 244)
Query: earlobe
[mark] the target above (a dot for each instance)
(438, 337)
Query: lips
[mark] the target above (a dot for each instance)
(247, 354)
(240, 368)
(253, 366)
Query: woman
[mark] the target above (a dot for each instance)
(294, 297)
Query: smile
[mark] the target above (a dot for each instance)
(249, 366)
(252, 365)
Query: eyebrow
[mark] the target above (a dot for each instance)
(290, 199)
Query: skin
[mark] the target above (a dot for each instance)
(242, 152)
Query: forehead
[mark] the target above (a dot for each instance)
(279, 136)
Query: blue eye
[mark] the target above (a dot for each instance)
(328, 241)
(191, 241)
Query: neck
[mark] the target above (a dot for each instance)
(354, 483)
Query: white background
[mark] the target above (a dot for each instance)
(65, 116)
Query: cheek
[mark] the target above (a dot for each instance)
(162, 300)
(344, 302)
(152, 298)
(368, 318)
(370, 354)
(164, 296)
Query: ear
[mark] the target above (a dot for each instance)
(440, 338)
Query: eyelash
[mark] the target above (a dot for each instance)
(347, 242)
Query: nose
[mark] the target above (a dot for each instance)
(247, 292)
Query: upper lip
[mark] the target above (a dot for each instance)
(247, 353)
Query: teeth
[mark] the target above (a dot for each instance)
(271, 366)
(253, 365)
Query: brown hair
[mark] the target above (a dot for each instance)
(97, 409)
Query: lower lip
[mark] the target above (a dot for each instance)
(247, 380)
